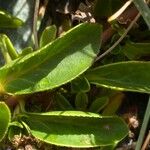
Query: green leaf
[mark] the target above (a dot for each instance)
(80, 84)
(114, 104)
(55, 64)
(4, 52)
(125, 76)
(48, 35)
(144, 10)
(76, 128)
(9, 21)
(5, 117)
(26, 51)
(136, 50)
(99, 104)
(7, 46)
(81, 101)
(15, 128)
(62, 103)
(16, 124)
(111, 147)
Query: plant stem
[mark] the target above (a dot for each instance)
(146, 143)
(120, 11)
(127, 15)
(120, 39)
(144, 126)
(37, 3)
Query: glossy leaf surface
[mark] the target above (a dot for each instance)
(125, 76)
(48, 35)
(76, 128)
(8, 47)
(25, 51)
(5, 117)
(9, 21)
(55, 64)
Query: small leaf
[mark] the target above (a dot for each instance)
(114, 103)
(81, 101)
(16, 123)
(55, 64)
(48, 35)
(62, 103)
(76, 129)
(5, 117)
(136, 50)
(9, 21)
(7, 46)
(26, 51)
(80, 84)
(99, 104)
(125, 76)
(15, 128)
